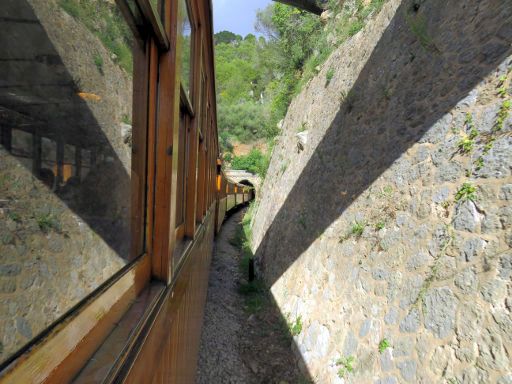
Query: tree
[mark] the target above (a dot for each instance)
(226, 37)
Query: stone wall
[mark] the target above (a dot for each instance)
(388, 222)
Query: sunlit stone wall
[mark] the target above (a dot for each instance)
(391, 223)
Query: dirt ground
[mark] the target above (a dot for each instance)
(244, 339)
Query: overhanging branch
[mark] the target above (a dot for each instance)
(313, 6)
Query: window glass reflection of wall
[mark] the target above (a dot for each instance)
(65, 159)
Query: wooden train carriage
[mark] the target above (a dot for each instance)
(111, 188)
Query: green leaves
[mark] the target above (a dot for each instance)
(466, 192)
(255, 162)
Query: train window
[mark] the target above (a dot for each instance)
(182, 172)
(186, 33)
(201, 181)
(201, 185)
(66, 165)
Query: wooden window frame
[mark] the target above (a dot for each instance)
(185, 166)
(79, 333)
(60, 351)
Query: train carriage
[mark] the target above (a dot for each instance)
(111, 188)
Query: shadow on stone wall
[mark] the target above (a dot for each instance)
(428, 59)
(47, 125)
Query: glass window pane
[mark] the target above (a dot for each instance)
(182, 170)
(65, 159)
(186, 46)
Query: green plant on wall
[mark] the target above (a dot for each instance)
(346, 365)
(357, 228)
(329, 76)
(383, 345)
(98, 61)
(48, 221)
(467, 143)
(466, 192)
(479, 163)
(380, 225)
(419, 27)
(295, 327)
(503, 114)
(502, 86)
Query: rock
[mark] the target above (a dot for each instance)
(350, 345)
(411, 322)
(470, 99)
(469, 321)
(505, 267)
(467, 280)
(10, 269)
(505, 215)
(325, 16)
(408, 370)
(391, 317)
(387, 380)
(418, 260)
(466, 216)
(497, 162)
(449, 171)
(471, 248)
(7, 285)
(473, 375)
(506, 192)
(467, 352)
(438, 131)
(254, 366)
(441, 195)
(365, 328)
(23, 327)
(302, 139)
(491, 223)
(386, 360)
(422, 154)
(403, 347)
(494, 291)
(492, 354)
(442, 361)
(439, 240)
(316, 340)
(507, 379)
(440, 307)
(380, 274)
(446, 267)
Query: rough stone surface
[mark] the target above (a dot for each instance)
(440, 307)
(408, 370)
(383, 149)
(411, 322)
(466, 217)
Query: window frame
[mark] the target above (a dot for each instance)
(123, 287)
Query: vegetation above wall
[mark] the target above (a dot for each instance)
(257, 77)
(106, 22)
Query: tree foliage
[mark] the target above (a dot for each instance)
(255, 162)
(257, 77)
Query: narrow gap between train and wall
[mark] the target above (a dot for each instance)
(259, 303)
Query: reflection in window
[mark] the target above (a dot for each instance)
(65, 161)
(182, 171)
(186, 47)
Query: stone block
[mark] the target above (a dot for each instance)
(440, 308)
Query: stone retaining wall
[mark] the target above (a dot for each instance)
(392, 224)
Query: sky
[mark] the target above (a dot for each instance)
(237, 16)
